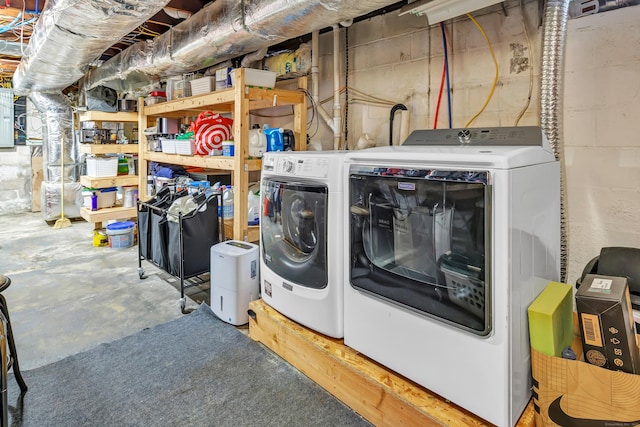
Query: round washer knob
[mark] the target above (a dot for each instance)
(288, 166)
(464, 136)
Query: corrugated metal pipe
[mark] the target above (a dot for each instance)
(70, 34)
(554, 33)
(222, 30)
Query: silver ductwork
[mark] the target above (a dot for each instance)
(223, 30)
(11, 48)
(554, 34)
(57, 118)
(70, 34)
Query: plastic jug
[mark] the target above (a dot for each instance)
(253, 206)
(274, 138)
(257, 143)
(227, 202)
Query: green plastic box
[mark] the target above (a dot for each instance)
(551, 319)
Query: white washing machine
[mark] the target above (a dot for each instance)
(302, 237)
(450, 238)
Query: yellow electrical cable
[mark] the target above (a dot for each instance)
(495, 80)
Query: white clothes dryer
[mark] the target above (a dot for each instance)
(302, 237)
(451, 237)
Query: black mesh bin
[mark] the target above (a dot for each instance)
(189, 240)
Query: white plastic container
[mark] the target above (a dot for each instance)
(120, 234)
(253, 77)
(106, 197)
(227, 202)
(102, 166)
(257, 143)
(186, 147)
(168, 145)
(202, 85)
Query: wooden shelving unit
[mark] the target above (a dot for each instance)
(117, 212)
(238, 101)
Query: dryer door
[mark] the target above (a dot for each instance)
(293, 226)
(419, 239)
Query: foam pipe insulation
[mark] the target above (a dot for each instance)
(71, 34)
(11, 48)
(223, 30)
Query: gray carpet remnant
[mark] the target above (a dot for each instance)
(192, 371)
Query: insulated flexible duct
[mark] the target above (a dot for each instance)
(70, 34)
(554, 33)
(223, 30)
(57, 118)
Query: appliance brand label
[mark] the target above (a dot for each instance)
(267, 288)
(410, 186)
(287, 286)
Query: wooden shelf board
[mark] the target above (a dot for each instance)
(209, 162)
(106, 214)
(253, 231)
(220, 100)
(378, 394)
(109, 148)
(109, 181)
(102, 116)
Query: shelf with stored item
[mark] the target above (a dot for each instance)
(239, 101)
(112, 179)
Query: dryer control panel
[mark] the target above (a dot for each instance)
(308, 167)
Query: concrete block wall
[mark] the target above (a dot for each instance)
(400, 59)
(15, 179)
(602, 133)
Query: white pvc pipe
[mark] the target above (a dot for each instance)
(315, 72)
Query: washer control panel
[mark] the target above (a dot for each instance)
(311, 167)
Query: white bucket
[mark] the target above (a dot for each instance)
(120, 234)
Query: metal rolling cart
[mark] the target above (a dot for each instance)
(179, 243)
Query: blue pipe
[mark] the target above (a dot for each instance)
(446, 65)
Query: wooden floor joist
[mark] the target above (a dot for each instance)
(381, 396)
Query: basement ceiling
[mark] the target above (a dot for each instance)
(18, 17)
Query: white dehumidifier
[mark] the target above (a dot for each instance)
(234, 280)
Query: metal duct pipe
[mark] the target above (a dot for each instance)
(70, 34)
(554, 33)
(11, 48)
(57, 120)
(223, 30)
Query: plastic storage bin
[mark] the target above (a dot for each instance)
(102, 166)
(203, 85)
(253, 77)
(185, 146)
(168, 145)
(106, 197)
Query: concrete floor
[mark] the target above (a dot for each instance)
(67, 296)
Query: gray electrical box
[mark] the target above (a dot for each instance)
(6, 118)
